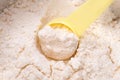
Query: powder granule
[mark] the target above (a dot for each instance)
(58, 44)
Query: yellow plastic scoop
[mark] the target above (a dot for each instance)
(80, 19)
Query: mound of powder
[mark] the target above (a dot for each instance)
(57, 43)
(21, 58)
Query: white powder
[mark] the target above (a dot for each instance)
(21, 58)
(57, 43)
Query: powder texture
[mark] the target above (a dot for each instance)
(21, 58)
(59, 44)
(116, 7)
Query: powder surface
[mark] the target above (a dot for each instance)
(59, 44)
(21, 58)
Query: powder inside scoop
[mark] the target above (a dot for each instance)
(57, 43)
